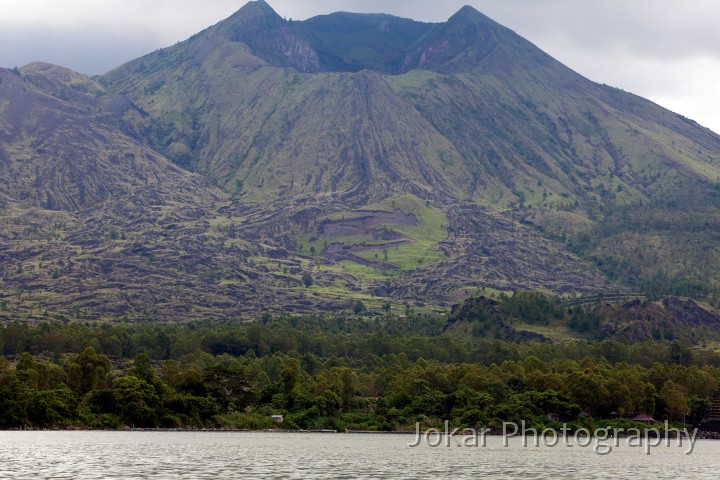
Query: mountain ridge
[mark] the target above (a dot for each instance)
(555, 71)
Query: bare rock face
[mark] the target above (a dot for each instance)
(485, 315)
(269, 36)
(638, 321)
(691, 313)
(468, 33)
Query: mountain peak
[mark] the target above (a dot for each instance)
(470, 14)
(465, 40)
(258, 7)
(269, 36)
(468, 10)
(252, 11)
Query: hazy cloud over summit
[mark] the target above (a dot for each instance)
(665, 50)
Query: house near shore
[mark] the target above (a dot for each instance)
(278, 418)
(644, 418)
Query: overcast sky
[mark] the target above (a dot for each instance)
(665, 50)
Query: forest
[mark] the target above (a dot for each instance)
(341, 372)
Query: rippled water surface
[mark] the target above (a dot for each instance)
(216, 455)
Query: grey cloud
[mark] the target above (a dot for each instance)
(660, 28)
(91, 51)
(655, 28)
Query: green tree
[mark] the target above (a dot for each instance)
(347, 379)
(676, 404)
(48, 408)
(290, 375)
(136, 401)
(680, 354)
(229, 386)
(142, 368)
(88, 371)
(589, 392)
(647, 402)
(359, 307)
(191, 409)
(25, 362)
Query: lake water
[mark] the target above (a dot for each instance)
(225, 455)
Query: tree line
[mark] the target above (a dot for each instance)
(344, 372)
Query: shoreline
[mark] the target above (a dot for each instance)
(700, 435)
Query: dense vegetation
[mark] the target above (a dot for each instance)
(666, 247)
(377, 373)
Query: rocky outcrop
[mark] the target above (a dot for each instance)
(269, 36)
(483, 316)
(637, 321)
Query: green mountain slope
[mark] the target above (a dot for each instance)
(390, 160)
(460, 111)
(479, 114)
